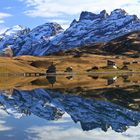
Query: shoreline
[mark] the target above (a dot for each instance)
(33, 74)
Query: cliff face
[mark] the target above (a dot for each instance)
(89, 29)
(51, 105)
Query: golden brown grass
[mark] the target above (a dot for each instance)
(79, 65)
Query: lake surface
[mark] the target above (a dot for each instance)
(70, 107)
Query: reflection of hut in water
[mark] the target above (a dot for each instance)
(111, 80)
(95, 77)
(125, 78)
(93, 68)
(51, 69)
(69, 77)
(69, 70)
(51, 79)
(135, 82)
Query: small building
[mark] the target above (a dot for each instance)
(95, 68)
(135, 62)
(51, 69)
(69, 69)
(111, 64)
(126, 63)
(77, 55)
(125, 67)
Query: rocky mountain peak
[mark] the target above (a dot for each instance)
(52, 27)
(118, 13)
(87, 16)
(73, 22)
(103, 14)
(46, 30)
(17, 29)
(91, 16)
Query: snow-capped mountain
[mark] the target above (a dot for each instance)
(10, 35)
(19, 38)
(89, 29)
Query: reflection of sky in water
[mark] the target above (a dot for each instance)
(34, 128)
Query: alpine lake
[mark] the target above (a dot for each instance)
(72, 107)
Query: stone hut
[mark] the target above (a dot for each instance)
(126, 63)
(69, 69)
(125, 67)
(135, 62)
(111, 64)
(51, 69)
(95, 68)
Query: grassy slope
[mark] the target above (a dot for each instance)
(9, 65)
(79, 65)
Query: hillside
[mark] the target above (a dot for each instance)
(10, 65)
(79, 65)
(125, 45)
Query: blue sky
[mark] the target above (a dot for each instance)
(31, 13)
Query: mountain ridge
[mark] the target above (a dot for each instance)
(89, 29)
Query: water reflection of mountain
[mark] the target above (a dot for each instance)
(128, 97)
(52, 104)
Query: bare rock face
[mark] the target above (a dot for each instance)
(89, 29)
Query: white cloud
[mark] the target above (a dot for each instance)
(69, 9)
(52, 8)
(3, 126)
(4, 15)
(8, 8)
(59, 132)
(2, 21)
(66, 129)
